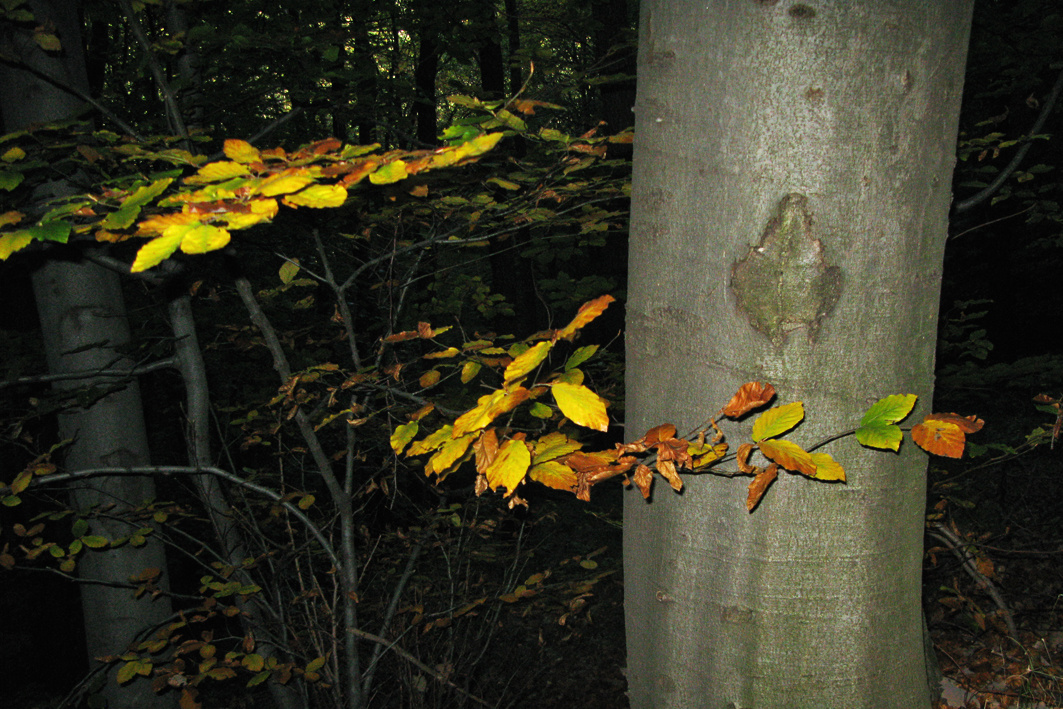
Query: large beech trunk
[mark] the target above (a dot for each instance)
(813, 600)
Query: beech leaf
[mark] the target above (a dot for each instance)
(402, 435)
(318, 197)
(581, 405)
(527, 361)
(751, 395)
(509, 467)
(943, 438)
(587, 312)
(554, 474)
(760, 485)
(241, 151)
(778, 420)
(788, 455)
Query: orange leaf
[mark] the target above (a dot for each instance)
(587, 312)
(643, 480)
(760, 485)
(751, 395)
(943, 438)
(742, 457)
(969, 424)
(788, 455)
(486, 447)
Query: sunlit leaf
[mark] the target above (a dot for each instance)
(469, 370)
(157, 250)
(283, 184)
(943, 438)
(751, 395)
(760, 485)
(402, 435)
(553, 445)
(554, 474)
(587, 312)
(526, 362)
(827, 468)
(778, 420)
(581, 405)
(580, 356)
(387, 174)
(509, 467)
(218, 171)
(318, 197)
(448, 454)
(241, 151)
(788, 455)
(488, 408)
(199, 238)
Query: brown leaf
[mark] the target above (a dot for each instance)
(658, 433)
(486, 448)
(643, 480)
(742, 457)
(751, 395)
(760, 485)
(667, 470)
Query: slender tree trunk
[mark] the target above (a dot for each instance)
(813, 600)
(84, 327)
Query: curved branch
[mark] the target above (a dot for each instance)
(189, 470)
(1007, 172)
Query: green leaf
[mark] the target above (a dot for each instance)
(392, 172)
(883, 437)
(777, 420)
(10, 180)
(889, 410)
(580, 356)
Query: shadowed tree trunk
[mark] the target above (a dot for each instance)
(84, 327)
(841, 119)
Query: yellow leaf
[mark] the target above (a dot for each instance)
(581, 405)
(387, 174)
(217, 171)
(587, 312)
(11, 218)
(318, 197)
(160, 222)
(283, 184)
(788, 455)
(199, 238)
(554, 474)
(241, 151)
(262, 210)
(488, 408)
(157, 250)
(777, 420)
(431, 441)
(526, 362)
(13, 155)
(448, 454)
(827, 468)
(509, 467)
(10, 243)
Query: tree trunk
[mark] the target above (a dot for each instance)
(84, 328)
(813, 600)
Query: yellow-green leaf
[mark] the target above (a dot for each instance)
(157, 250)
(402, 435)
(469, 370)
(13, 155)
(199, 238)
(387, 174)
(287, 271)
(777, 420)
(526, 362)
(318, 197)
(15, 241)
(553, 445)
(509, 467)
(432, 440)
(581, 405)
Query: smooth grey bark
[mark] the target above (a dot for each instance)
(84, 327)
(813, 600)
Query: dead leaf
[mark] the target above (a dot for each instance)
(751, 395)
